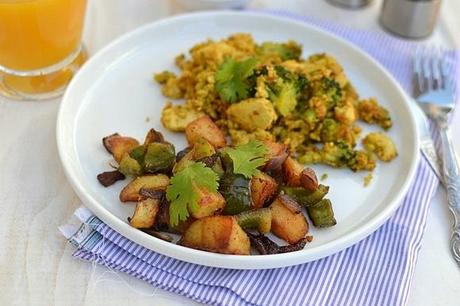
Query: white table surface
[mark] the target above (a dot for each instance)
(36, 266)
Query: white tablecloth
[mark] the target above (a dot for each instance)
(36, 266)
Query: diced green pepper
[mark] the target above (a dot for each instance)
(306, 197)
(138, 154)
(322, 214)
(260, 219)
(236, 190)
(129, 166)
(202, 148)
(159, 157)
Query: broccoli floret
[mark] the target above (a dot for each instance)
(310, 116)
(362, 161)
(329, 130)
(371, 112)
(337, 154)
(329, 90)
(285, 92)
(286, 51)
(310, 156)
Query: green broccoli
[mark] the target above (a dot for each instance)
(286, 51)
(284, 93)
(329, 130)
(330, 90)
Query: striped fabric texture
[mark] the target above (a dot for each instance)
(376, 271)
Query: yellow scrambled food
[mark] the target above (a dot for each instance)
(268, 91)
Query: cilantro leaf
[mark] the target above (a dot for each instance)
(232, 79)
(183, 190)
(248, 157)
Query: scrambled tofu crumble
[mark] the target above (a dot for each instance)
(267, 91)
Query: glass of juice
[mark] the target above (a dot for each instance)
(40, 46)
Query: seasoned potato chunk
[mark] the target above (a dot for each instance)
(263, 188)
(209, 203)
(298, 176)
(119, 145)
(177, 117)
(381, 145)
(276, 155)
(205, 128)
(253, 114)
(145, 213)
(153, 136)
(220, 234)
(131, 191)
(292, 170)
(288, 221)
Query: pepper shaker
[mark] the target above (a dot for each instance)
(410, 18)
(350, 3)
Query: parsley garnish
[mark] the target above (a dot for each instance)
(183, 190)
(248, 157)
(232, 79)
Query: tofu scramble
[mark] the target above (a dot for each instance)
(267, 91)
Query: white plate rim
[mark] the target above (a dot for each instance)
(223, 260)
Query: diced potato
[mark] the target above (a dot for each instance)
(131, 191)
(263, 188)
(276, 154)
(292, 170)
(119, 145)
(177, 117)
(253, 114)
(153, 136)
(297, 176)
(209, 203)
(288, 221)
(220, 234)
(184, 162)
(145, 213)
(204, 127)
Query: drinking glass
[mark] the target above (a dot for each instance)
(40, 46)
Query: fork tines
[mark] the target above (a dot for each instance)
(432, 69)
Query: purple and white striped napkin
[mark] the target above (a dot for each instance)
(376, 271)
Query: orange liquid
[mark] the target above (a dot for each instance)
(39, 33)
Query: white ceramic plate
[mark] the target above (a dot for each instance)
(114, 92)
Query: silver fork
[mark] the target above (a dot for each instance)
(437, 100)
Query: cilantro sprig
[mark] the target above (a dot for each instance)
(248, 157)
(183, 191)
(232, 79)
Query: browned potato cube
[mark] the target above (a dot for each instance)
(288, 221)
(220, 234)
(119, 145)
(209, 204)
(292, 170)
(296, 175)
(131, 191)
(263, 189)
(145, 213)
(204, 127)
(153, 136)
(276, 153)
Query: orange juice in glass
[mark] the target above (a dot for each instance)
(40, 46)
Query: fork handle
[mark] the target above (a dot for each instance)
(452, 182)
